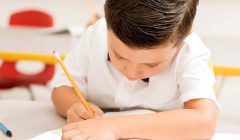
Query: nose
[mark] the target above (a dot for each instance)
(132, 72)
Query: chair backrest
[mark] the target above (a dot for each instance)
(33, 18)
(9, 76)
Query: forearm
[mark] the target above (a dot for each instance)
(63, 98)
(171, 125)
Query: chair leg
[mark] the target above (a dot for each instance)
(31, 93)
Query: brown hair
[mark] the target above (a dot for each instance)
(145, 24)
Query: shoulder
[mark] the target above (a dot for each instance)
(194, 47)
(93, 38)
(99, 29)
(193, 52)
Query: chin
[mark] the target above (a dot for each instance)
(133, 79)
(137, 78)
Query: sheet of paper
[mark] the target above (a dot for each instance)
(225, 136)
(48, 136)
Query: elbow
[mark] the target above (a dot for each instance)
(54, 96)
(207, 127)
(55, 99)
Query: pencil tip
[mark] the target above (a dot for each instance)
(9, 133)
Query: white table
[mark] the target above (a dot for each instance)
(27, 119)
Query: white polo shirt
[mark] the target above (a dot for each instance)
(187, 77)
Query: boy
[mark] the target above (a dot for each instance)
(143, 55)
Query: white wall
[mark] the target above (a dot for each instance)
(218, 23)
(218, 18)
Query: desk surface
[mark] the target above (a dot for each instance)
(32, 44)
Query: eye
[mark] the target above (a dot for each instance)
(118, 57)
(152, 65)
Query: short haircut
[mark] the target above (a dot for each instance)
(145, 24)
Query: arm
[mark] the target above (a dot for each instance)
(196, 121)
(69, 106)
(63, 98)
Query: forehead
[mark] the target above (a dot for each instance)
(155, 55)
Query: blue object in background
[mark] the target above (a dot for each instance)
(5, 130)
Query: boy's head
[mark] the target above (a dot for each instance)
(147, 26)
(149, 23)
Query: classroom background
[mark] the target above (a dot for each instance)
(217, 22)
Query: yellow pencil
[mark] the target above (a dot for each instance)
(76, 89)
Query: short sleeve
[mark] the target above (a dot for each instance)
(196, 82)
(195, 77)
(76, 63)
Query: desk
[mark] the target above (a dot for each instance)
(27, 119)
(18, 43)
(45, 119)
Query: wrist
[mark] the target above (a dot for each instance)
(115, 126)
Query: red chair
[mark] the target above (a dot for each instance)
(32, 18)
(9, 76)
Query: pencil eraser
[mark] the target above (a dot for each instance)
(56, 55)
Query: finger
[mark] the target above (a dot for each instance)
(91, 138)
(69, 127)
(70, 134)
(79, 137)
(97, 111)
(83, 113)
(73, 117)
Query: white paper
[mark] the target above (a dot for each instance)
(225, 136)
(48, 136)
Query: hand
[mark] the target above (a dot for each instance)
(94, 129)
(94, 18)
(78, 112)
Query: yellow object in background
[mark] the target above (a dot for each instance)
(226, 71)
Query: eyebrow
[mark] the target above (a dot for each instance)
(128, 60)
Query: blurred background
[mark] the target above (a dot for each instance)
(217, 22)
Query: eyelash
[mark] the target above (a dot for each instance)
(119, 57)
(152, 65)
(149, 65)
